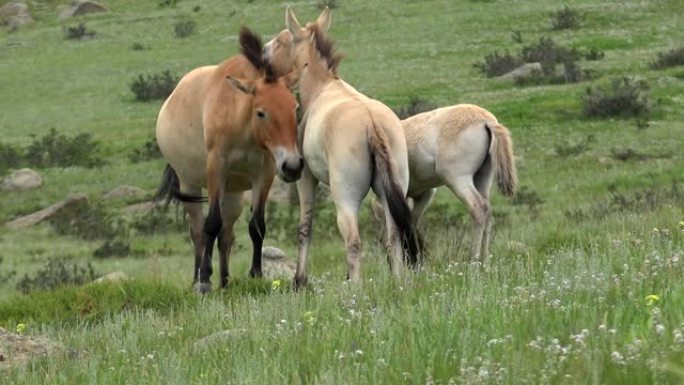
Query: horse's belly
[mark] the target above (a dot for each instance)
(422, 167)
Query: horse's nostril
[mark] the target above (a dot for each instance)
(301, 163)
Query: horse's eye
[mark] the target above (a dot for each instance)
(261, 114)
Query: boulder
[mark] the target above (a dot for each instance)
(125, 191)
(82, 7)
(524, 71)
(276, 264)
(47, 213)
(141, 208)
(23, 179)
(15, 14)
(115, 277)
(19, 349)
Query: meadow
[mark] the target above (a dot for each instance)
(584, 281)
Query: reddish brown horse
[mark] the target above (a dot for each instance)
(229, 127)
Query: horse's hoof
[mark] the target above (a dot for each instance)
(256, 274)
(202, 287)
(299, 283)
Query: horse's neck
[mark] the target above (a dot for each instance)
(330, 86)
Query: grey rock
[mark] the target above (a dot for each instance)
(20, 180)
(125, 192)
(218, 338)
(15, 14)
(276, 264)
(524, 71)
(114, 277)
(82, 7)
(46, 213)
(17, 349)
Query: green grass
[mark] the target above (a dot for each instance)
(560, 301)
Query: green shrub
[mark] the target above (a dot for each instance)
(671, 58)
(624, 97)
(184, 28)
(153, 87)
(530, 199)
(89, 221)
(594, 54)
(10, 158)
(567, 148)
(566, 18)
(415, 106)
(56, 273)
(59, 150)
(79, 32)
(547, 53)
(149, 150)
(113, 248)
(327, 3)
(6, 275)
(168, 3)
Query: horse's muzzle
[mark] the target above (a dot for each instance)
(291, 169)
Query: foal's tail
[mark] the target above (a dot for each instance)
(383, 166)
(169, 189)
(506, 174)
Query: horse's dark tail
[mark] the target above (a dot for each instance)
(396, 200)
(169, 189)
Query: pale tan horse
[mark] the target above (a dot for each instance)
(350, 142)
(462, 147)
(229, 127)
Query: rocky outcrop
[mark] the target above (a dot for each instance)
(81, 7)
(20, 180)
(47, 213)
(15, 14)
(276, 264)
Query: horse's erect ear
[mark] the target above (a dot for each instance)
(242, 85)
(291, 22)
(324, 19)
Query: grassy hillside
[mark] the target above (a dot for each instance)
(596, 228)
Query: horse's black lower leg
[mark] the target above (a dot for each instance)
(223, 262)
(257, 232)
(212, 228)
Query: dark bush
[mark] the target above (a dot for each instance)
(10, 158)
(566, 18)
(671, 58)
(89, 221)
(53, 150)
(155, 222)
(547, 53)
(168, 3)
(113, 248)
(6, 275)
(647, 199)
(79, 32)
(496, 64)
(624, 97)
(594, 54)
(57, 273)
(528, 198)
(153, 87)
(184, 28)
(567, 148)
(149, 150)
(138, 47)
(416, 105)
(327, 3)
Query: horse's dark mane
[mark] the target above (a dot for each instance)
(326, 48)
(251, 48)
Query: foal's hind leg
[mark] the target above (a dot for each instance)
(420, 204)
(231, 206)
(196, 216)
(306, 189)
(348, 197)
(483, 182)
(478, 207)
